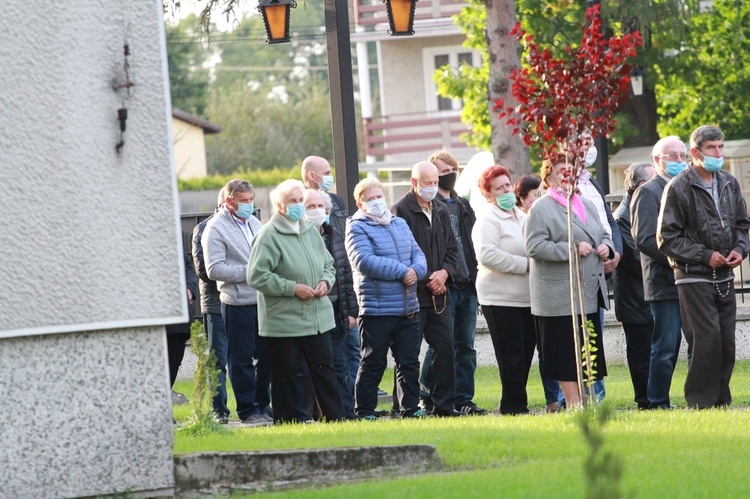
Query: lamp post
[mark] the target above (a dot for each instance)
(636, 81)
(400, 16)
(276, 15)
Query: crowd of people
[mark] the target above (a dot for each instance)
(305, 309)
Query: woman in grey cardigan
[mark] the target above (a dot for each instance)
(546, 235)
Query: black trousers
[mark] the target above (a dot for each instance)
(175, 353)
(285, 359)
(378, 334)
(514, 338)
(708, 322)
(437, 331)
(638, 352)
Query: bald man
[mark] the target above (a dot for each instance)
(430, 223)
(316, 174)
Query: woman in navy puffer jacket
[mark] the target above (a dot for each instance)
(386, 263)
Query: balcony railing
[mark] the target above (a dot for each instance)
(371, 12)
(412, 133)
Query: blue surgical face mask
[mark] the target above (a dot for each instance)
(326, 182)
(295, 212)
(711, 164)
(675, 167)
(245, 210)
(376, 207)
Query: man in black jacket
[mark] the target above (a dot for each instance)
(462, 287)
(703, 230)
(430, 223)
(630, 308)
(317, 174)
(659, 289)
(213, 323)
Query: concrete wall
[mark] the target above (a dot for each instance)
(91, 266)
(189, 150)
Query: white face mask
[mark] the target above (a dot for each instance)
(427, 193)
(376, 207)
(316, 216)
(590, 156)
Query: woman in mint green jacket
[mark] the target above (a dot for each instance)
(292, 272)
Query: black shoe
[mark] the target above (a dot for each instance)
(221, 418)
(382, 393)
(426, 404)
(382, 413)
(447, 413)
(471, 409)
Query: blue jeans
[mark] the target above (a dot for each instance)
(353, 356)
(250, 382)
(665, 346)
(463, 306)
(217, 339)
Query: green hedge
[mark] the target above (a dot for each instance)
(259, 178)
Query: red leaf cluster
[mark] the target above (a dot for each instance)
(561, 100)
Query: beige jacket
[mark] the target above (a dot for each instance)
(502, 278)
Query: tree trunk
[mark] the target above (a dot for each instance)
(509, 150)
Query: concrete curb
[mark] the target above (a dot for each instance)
(196, 474)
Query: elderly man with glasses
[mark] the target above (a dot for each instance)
(669, 158)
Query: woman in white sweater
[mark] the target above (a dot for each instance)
(503, 286)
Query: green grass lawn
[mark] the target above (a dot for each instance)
(680, 453)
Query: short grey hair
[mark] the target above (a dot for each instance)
(705, 133)
(635, 175)
(238, 186)
(283, 189)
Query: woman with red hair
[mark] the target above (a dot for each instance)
(503, 285)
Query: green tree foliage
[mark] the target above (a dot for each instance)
(269, 127)
(188, 79)
(708, 79)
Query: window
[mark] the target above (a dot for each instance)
(437, 57)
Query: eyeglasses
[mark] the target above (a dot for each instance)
(674, 156)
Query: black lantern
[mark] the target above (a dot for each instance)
(276, 14)
(401, 16)
(636, 81)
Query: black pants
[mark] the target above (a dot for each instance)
(378, 334)
(514, 339)
(175, 353)
(437, 331)
(708, 321)
(638, 351)
(284, 358)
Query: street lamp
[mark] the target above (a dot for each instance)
(401, 16)
(636, 81)
(276, 18)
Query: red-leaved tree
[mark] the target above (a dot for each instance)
(563, 104)
(559, 99)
